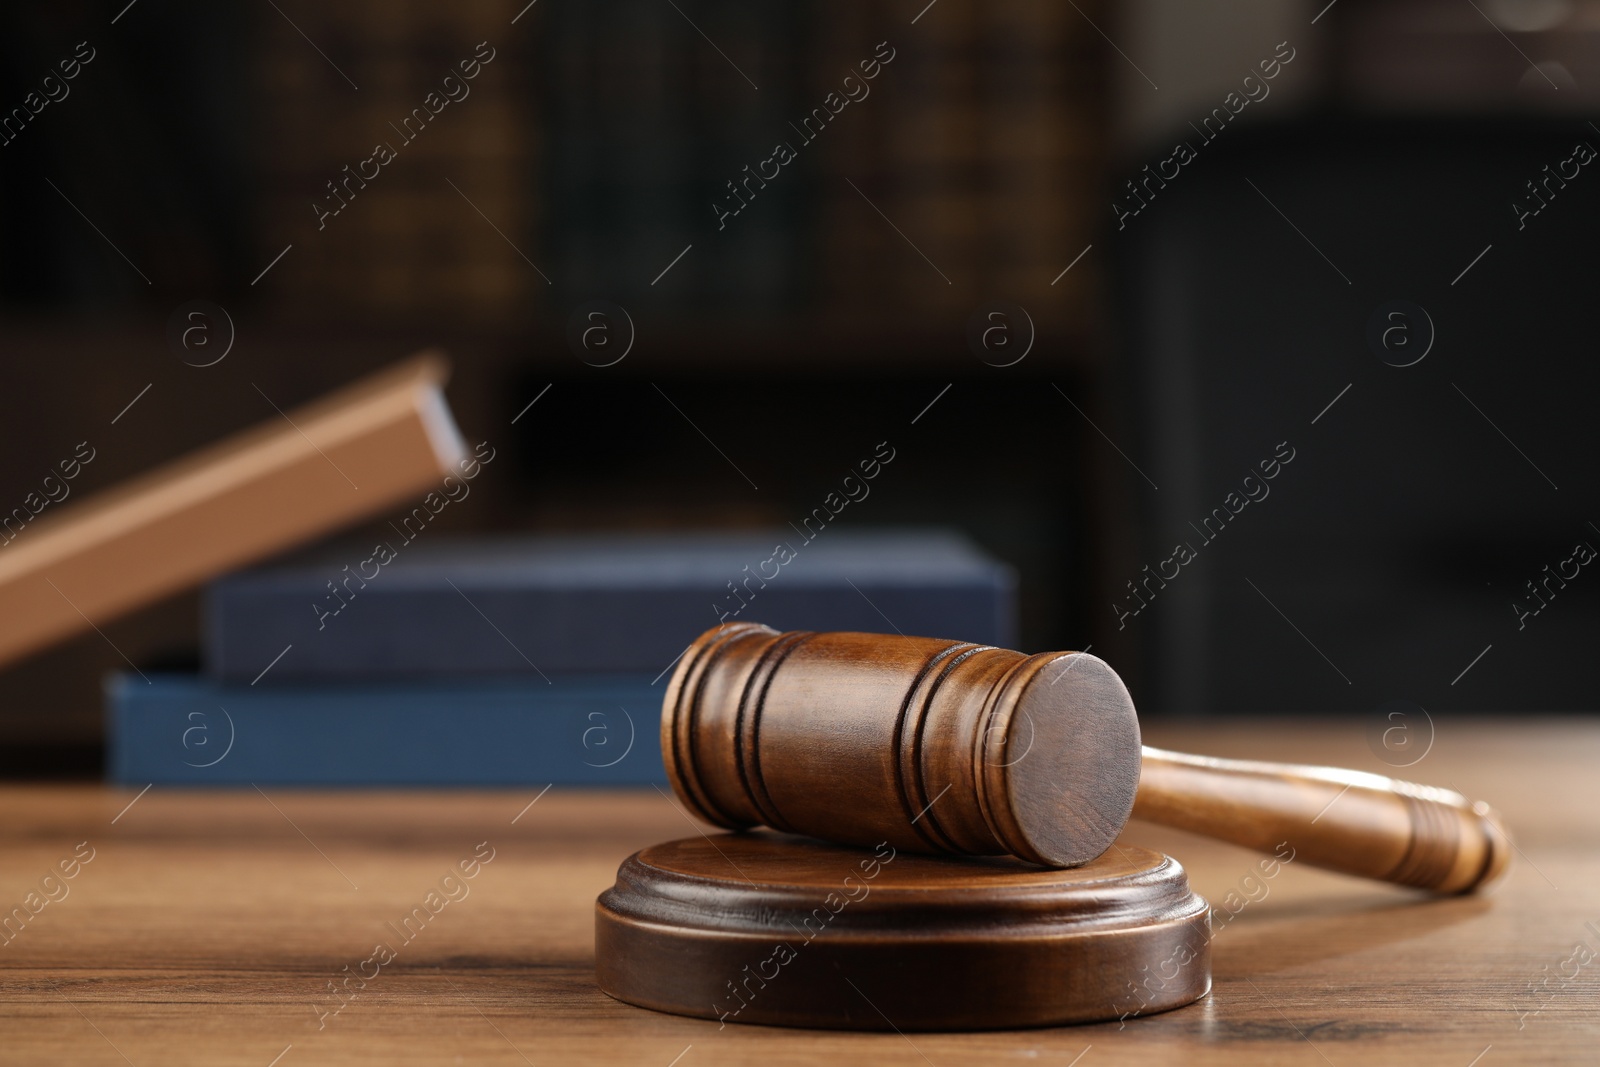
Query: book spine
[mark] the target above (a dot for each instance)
(425, 631)
(184, 731)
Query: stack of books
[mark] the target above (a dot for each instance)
(517, 661)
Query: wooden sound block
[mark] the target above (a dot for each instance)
(765, 928)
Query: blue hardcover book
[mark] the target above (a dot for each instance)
(552, 606)
(180, 729)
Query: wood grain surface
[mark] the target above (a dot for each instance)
(207, 928)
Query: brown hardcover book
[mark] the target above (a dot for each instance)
(297, 476)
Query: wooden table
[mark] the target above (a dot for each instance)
(210, 927)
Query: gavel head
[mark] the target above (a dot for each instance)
(930, 745)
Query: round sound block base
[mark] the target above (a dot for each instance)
(764, 928)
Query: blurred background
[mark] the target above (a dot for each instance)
(1198, 222)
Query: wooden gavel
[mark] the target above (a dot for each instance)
(942, 746)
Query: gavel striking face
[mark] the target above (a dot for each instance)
(941, 746)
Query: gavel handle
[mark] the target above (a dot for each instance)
(1347, 821)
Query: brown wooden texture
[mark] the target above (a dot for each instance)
(769, 928)
(944, 746)
(1365, 824)
(291, 478)
(207, 926)
(934, 746)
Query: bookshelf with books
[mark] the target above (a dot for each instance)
(391, 194)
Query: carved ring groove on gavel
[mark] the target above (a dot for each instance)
(945, 746)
